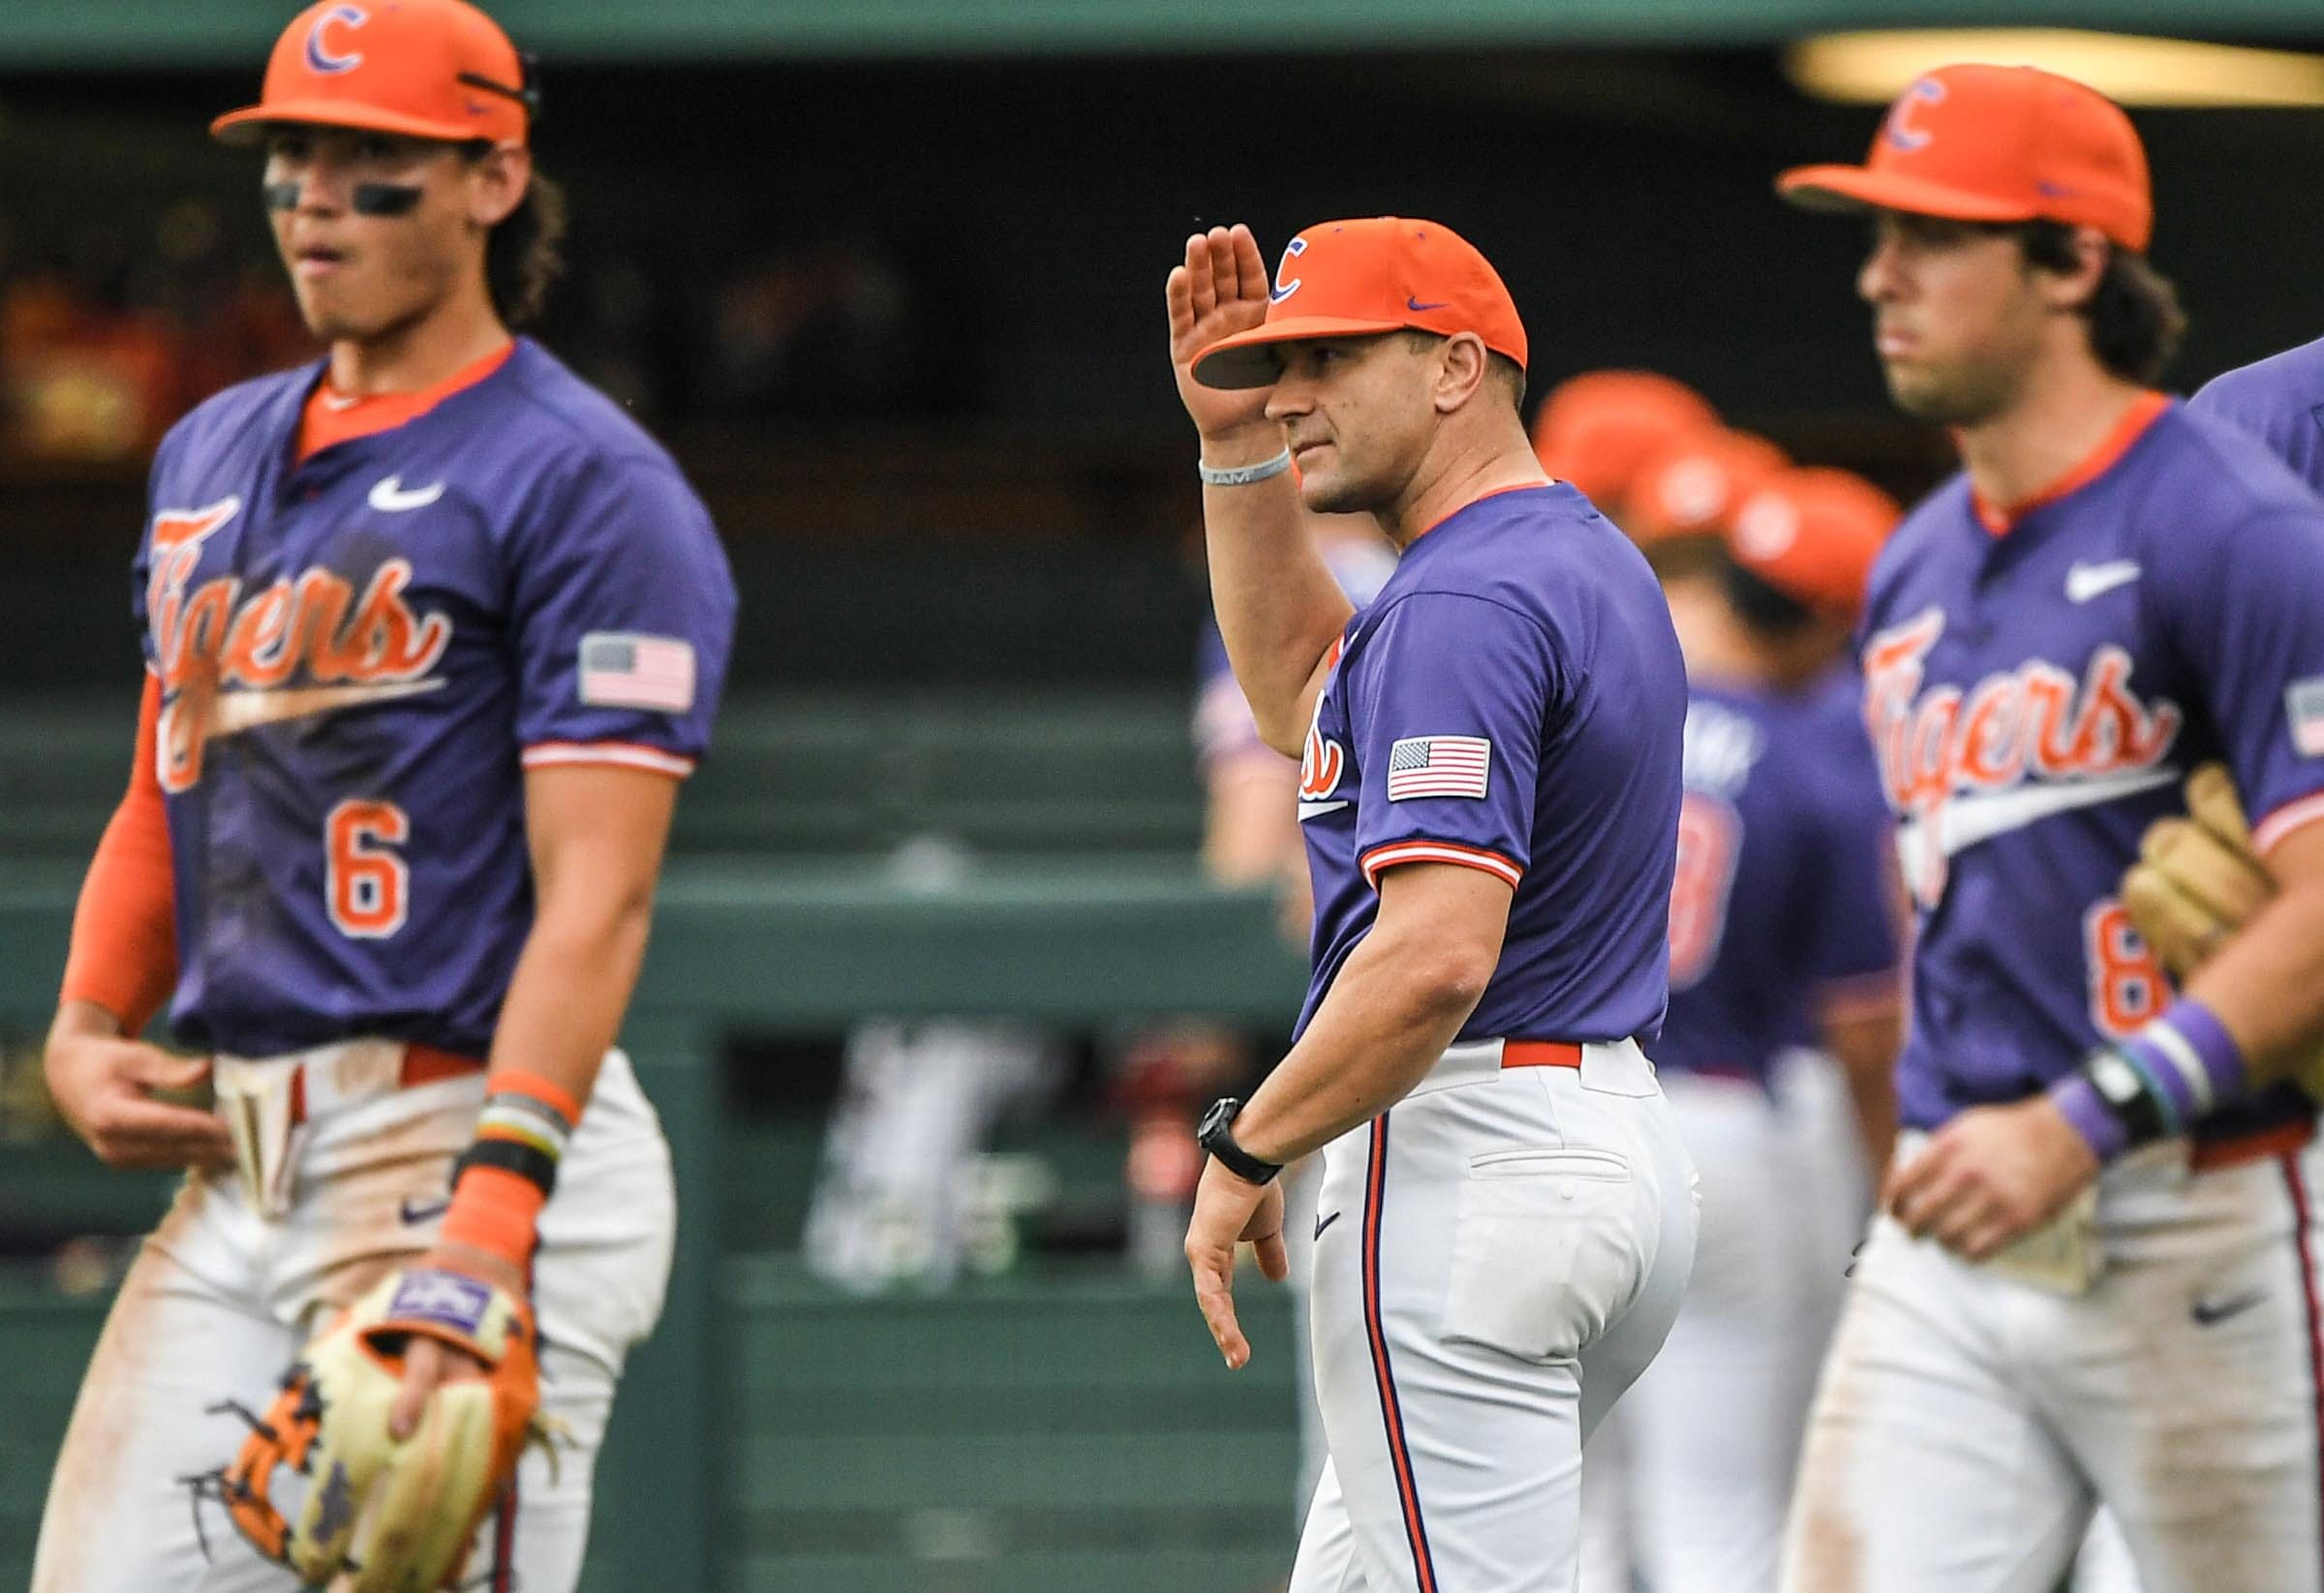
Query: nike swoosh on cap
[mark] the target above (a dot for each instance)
(1411, 303)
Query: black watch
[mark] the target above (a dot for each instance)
(1214, 1137)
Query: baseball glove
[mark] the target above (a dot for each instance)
(2197, 881)
(380, 1516)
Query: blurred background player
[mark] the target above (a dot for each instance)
(1783, 932)
(1599, 429)
(432, 634)
(2094, 1275)
(922, 1098)
(2279, 400)
(1688, 491)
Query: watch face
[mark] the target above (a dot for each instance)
(1221, 1113)
(2115, 1078)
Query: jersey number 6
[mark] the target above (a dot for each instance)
(368, 886)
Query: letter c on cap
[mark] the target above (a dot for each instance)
(1284, 290)
(1900, 130)
(318, 54)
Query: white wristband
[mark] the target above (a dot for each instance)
(1242, 475)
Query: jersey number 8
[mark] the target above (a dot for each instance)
(368, 886)
(2127, 987)
(1710, 833)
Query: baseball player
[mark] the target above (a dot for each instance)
(1781, 926)
(1490, 792)
(2278, 400)
(432, 634)
(2094, 1278)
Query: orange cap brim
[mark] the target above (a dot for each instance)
(1240, 361)
(247, 126)
(1858, 188)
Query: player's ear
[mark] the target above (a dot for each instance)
(1461, 362)
(2069, 286)
(497, 180)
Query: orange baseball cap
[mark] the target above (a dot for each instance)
(1359, 278)
(1997, 144)
(1812, 535)
(426, 68)
(1693, 486)
(1597, 429)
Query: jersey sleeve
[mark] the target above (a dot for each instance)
(1447, 701)
(622, 621)
(2291, 430)
(2246, 609)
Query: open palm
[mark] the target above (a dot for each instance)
(1220, 290)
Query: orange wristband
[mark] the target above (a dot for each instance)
(494, 1210)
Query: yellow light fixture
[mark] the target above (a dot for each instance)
(1873, 67)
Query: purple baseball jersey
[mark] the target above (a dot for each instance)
(360, 654)
(1782, 898)
(2036, 696)
(2279, 400)
(1512, 701)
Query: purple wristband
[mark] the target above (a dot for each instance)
(2081, 1104)
(2192, 1057)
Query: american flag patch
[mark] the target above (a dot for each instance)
(1438, 766)
(620, 670)
(2303, 707)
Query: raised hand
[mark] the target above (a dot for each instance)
(1221, 290)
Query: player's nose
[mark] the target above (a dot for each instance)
(1881, 275)
(1290, 397)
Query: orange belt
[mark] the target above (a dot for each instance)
(2211, 1156)
(422, 1065)
(1540, 1054)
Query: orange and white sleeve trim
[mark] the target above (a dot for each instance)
(2292, 815)
(1395, 853)
(625, 755)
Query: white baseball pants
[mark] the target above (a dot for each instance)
(1499, 1256)
(222, 1297)
(1967, 1422)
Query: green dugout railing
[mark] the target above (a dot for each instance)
(742, 946)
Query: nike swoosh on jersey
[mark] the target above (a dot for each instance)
(1322, 1223)
(1317, 810)
(1966, 821)
(235, 712)
(2084, 582)
(389, 497)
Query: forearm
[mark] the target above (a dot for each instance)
(1390, 1015)
(1865, 1039)
(2266, 985)
(1278, 609)
(571, 987)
